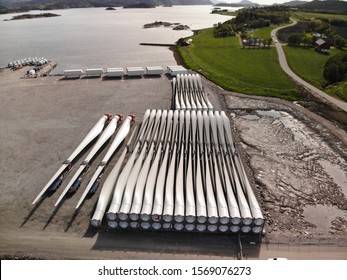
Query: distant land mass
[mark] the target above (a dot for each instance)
(242, 3)
(7, 6)
(95, 3)
(30, 16)
(292, 3)
(316, 5)
(329, 5)
(139, 5)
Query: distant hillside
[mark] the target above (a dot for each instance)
(292, 3)
(191, 2)
(242, 3)
(329, 5)
(139, 5)
(16, 5)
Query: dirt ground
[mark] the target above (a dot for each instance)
(296, 160)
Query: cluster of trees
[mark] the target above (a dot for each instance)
(335, 68)
(321, 26)
(305, 39)
(222, 30)
(299, 39)
(259, 23)
(250, 18)
(324, 26)
(259, 17)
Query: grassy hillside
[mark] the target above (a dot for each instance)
(309, 65)
(226, 63)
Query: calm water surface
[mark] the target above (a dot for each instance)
(94, 37)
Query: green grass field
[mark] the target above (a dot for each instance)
(226, 63)
(265, 32)
(308, 16)
(309, 65)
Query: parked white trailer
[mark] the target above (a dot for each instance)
(154, 70)
(135, 71)
(114, 72)
(58, 177)
(176, 69)
(76, 180)
(94, 72)
(73, 73)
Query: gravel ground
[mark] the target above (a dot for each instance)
(293, 166)
(296, 161)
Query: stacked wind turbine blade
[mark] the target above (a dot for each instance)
(189, 94)
(185, 174)
(94, 182)
(108, 186)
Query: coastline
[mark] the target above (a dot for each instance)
(176, 55)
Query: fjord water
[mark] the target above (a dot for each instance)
(95, 37)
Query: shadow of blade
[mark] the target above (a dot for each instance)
(50, 219)
(192, 243)
(31, 213)
(73, 218)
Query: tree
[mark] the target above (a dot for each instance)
(295, 39)
(339, 42)
(306, 41)
(331, 73)
(254, 24)
(222, 30)
(313, 25)
(268, 42)
(335, 68)
(263, 41)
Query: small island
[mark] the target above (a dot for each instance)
(110, 9)
(30, 16)
(175, 26)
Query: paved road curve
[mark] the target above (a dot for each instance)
(283, 62)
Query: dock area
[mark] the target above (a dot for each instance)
(43, 119)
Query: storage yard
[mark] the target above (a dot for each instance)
(295, 162)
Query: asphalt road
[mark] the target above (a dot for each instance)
(283, 62)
